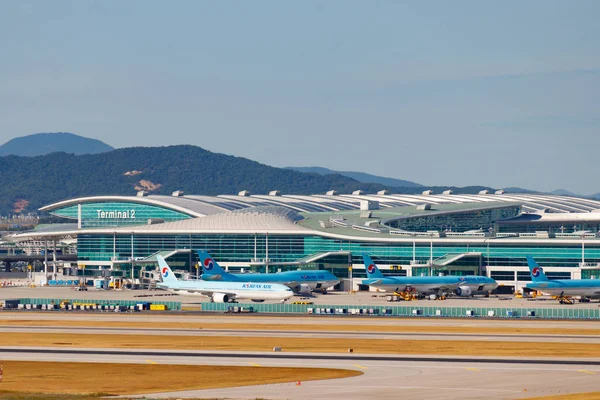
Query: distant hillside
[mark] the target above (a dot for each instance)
(564, 192)
(31, 182)
(557, 192)
(45, 143)
(518, 190)
(359, 176)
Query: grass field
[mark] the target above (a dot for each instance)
(125, 379)
(306, 344)
(512, 329)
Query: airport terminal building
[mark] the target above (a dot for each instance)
(487, 233)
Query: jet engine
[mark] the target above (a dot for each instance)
(220, 298)
(464, 291)
(302, 288)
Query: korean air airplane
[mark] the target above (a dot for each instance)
(564, 288)
(302, 281)
(463, 286)
(222, 292)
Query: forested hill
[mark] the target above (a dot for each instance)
(360, 176)
(27, 183)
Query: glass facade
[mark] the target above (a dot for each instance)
(103, 214)
(240, 248)
(552, 228)
(455, 221)
(590, 274)
(503, 275)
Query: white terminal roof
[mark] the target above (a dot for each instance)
(207, 205)
(249, 220)
(278, 214)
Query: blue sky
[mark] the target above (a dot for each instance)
(457, 93)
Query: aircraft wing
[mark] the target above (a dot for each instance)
(291, 284)
(445, 288)
(212, 277)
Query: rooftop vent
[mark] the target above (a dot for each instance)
(383, 192)
(424, 207)
(366, 205)
(427, 192)
(244, 193)
(501, 191)
(177, 193)
(358, 192)
(142, 193)
(331, 193)
(447, 192)
(484, 191)
(274, 193)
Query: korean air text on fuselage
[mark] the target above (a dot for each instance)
(256, 286)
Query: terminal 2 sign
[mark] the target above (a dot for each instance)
(127, 214)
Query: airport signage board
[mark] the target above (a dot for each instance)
(125, 214)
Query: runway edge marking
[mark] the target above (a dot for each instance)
(306, 356)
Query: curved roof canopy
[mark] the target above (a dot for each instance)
(197, 206)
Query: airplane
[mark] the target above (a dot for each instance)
(222, 292)
(301, 281)
(563, 288)
(463, 286)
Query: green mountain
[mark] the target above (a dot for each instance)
(31, 182)
(359, 176)
(45, 143)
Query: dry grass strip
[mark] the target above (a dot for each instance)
(124, 379)
(574, 396)
(333, 345)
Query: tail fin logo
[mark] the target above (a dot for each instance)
(371, 269)
(535, 272)
(209, 264)
(165, 272)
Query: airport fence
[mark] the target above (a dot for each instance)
(170, 305)
(410, 311)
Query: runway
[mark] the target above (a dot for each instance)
(385, 377)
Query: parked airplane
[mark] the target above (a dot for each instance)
(222, 292)
(563, 288)
(301, 281)
(463, 286)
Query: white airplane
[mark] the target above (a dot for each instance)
(222, 292)
(301, 281)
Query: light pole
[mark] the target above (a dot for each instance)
(583, 249)
(430, 254)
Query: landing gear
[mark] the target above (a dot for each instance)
(437, 297)
(584, 300)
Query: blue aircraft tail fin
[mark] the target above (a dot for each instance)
(167, 275)
(537, 273)
(372, 270)
(210, 266)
